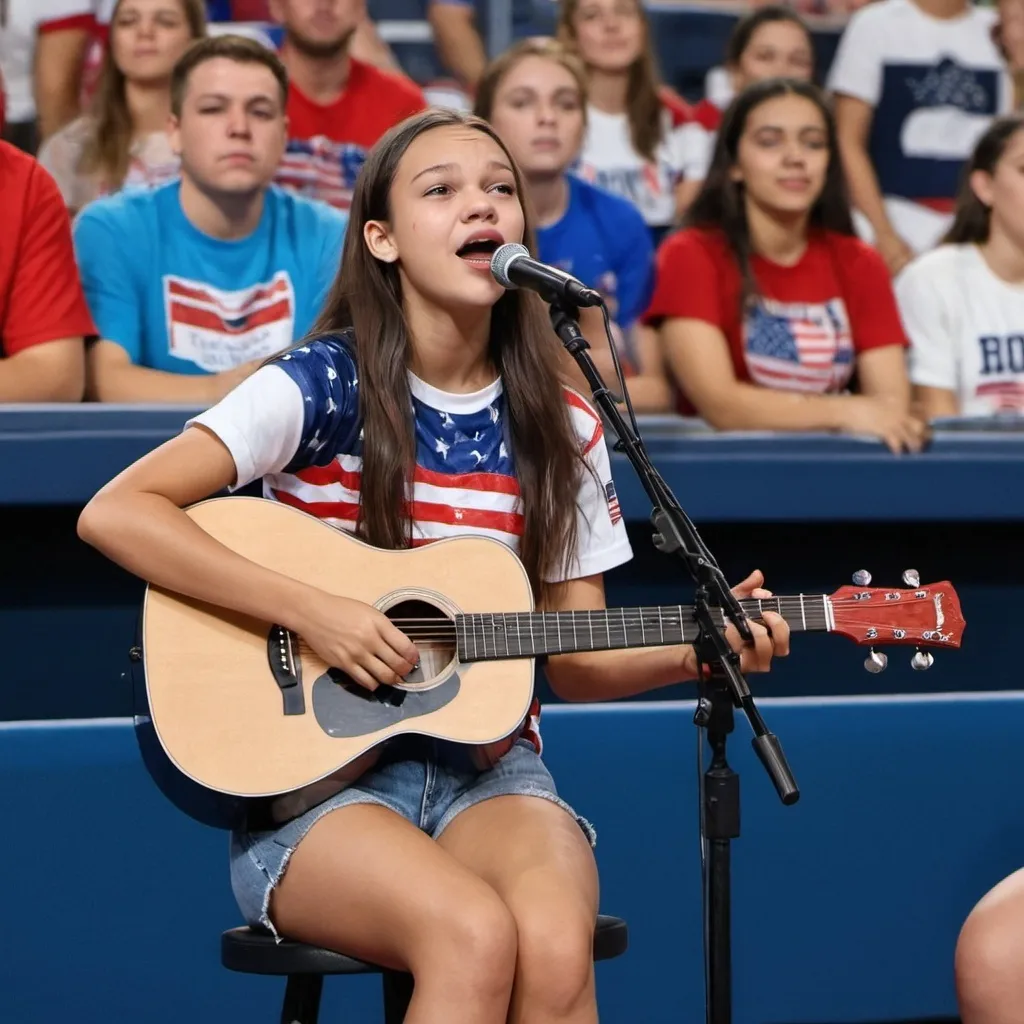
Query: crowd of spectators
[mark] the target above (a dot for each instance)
(802, 248)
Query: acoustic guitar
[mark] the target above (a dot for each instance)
(243, 710)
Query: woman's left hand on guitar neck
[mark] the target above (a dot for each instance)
(770, 639)
(610, 675)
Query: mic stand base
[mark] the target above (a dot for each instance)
(720, 824)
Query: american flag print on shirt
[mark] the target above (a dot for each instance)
(796, 346)
(320, 168)
(1003, 395)
(464, 481)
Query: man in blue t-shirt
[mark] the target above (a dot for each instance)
(194, 284)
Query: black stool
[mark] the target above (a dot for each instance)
(255, 952)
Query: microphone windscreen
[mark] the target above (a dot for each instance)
(502, 258)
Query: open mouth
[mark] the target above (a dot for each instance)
(480, 250)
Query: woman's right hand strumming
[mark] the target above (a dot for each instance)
(871, 416)
(357, 639)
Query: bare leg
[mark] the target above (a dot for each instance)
(990, 957)
(536, 858)
(367, 883)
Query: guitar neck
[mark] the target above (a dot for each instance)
(490, 637)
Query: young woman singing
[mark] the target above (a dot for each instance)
(428, 406)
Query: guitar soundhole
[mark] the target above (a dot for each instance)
(433, 633)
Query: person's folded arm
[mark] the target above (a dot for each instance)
(113, 377)
(458, 40)
(57, 75)
(612, 675)
(53, 371)
(698, 355)
(882, 373)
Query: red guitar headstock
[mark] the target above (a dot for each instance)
(924, 616)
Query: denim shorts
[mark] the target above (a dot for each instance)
(426, 781)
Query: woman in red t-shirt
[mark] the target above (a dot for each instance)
(767, 303)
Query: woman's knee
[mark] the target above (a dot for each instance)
(989, 960)
(556, 957)
(475, 938)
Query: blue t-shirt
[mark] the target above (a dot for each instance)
(178, 300)
(603, 241)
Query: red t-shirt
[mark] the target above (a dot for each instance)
(327, 144)
(41, 296)
(811, 321)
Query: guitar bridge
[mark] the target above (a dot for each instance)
(286, 669)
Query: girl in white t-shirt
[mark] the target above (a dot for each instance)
(963, 303)
(123, 142)
(634, 144)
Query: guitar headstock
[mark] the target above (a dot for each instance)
(921, 615)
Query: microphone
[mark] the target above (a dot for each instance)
(513, 267)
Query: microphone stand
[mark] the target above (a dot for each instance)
(721, 688)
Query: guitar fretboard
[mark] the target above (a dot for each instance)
(493, 636)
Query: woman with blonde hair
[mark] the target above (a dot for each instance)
(636, 143)
(122, 142)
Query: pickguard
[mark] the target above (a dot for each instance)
(345, 709)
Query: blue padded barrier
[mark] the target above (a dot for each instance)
(847, 905)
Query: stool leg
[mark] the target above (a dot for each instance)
(397, 994)
(302, 999)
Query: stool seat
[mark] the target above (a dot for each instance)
(253, 951)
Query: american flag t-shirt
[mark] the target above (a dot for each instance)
(799, 346)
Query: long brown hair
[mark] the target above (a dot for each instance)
(367, 297)
(538, 46)
(972, 219)
(107, 151)
(721, 203)
(643, 101)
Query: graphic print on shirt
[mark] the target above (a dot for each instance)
(927, 123)
(795, 346)
(646, 185)
(1001, 377)
(320, 168)
(218, 330)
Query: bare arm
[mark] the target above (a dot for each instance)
(57, 77)
(649, 390)
(137, 521)
(699, 357)
(882, 373)
(853, 124)
(53, 371)
(368, 47)
(458, 42)
(685, 193)
(931, 403)
(609, 675)
(113, 377)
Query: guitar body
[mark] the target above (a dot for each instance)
(232, 712)
(240, 707)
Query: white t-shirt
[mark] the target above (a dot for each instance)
(608, 159)
(966, 329)
(935, 86)
(18, 46)
(302, 413)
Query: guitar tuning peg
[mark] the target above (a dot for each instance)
(876, 661)
(861, 578)
(922, 660)
(912, 578)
